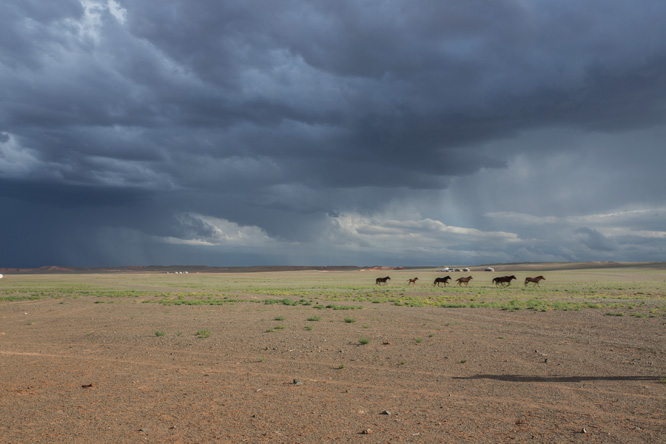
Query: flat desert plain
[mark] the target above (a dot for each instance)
(309, 357)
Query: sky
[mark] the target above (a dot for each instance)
(341, 132)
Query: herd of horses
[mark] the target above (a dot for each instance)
(503, 281)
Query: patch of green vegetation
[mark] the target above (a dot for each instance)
(18, 298)
(314, 318)
(159, 333)
(363, 341)
(344, 307)
(350, 320)
(202, 334)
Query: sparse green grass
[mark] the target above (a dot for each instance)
(363, 341)
(159, 333)
(350, 320)
(625, 289)
(314, 318)
(418, 340)
(203, 334)
(278, 318)
(462, 361)
(309, 327)
(341, 366)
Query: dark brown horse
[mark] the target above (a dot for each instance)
(534, 281)
(504, 280)
(444, 280)
(412, 281)
(464, 280)
(383, 280)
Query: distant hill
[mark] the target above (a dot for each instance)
(533, 266)
(551, 266)
(169, 268)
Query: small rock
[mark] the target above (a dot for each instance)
(298, 382)
(88, 385)
(584, 430)
(143, 429)
(386, 412)
(366, 432)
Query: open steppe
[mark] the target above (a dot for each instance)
(312, 356)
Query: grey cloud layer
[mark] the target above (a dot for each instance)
(275, 115)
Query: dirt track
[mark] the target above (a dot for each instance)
(442, 375)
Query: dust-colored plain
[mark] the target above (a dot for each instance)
(310, 357)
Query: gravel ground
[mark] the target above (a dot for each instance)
(76, 371)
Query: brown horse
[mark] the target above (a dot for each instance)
(464, 280)
(504, 280)
(535, 280)
(444, 280)
(412, 281)
(383, 280)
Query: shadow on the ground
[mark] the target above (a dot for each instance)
(521, 378)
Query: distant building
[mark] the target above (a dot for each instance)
(489, 269)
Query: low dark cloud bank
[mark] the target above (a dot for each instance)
(295, 132)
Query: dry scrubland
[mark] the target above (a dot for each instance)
(318, 357)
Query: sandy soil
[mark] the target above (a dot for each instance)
(76, 371)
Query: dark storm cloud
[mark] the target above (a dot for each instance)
(272, 115)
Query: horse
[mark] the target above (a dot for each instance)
(504, 280)
(444, 280)
(383, 280)
(534, 281)
(412, 281)
(464, 280)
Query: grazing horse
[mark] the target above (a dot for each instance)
(380, 281)
(504, 280)
(464, 280)
(535, 280)
(412, 281)
(444, 280)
